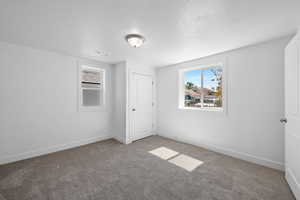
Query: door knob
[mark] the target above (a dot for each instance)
(283, 120)
(133, 109)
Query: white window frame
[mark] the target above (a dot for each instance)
(92, 67)
(202, 66)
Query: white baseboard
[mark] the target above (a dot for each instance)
(52, 149)
(119, 139)
(232, 153)
(293, 183)
(130, 140)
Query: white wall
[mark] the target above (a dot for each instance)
(119, 98)
(39, 104)
(255, 97)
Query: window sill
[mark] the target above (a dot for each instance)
(91, 108)
(203, 109)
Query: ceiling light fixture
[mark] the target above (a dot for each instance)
(135, 40)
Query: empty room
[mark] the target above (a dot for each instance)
(149, 100)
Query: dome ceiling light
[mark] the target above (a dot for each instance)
(135, 40)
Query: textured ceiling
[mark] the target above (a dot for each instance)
(175, 30)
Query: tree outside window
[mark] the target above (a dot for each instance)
(203, 88)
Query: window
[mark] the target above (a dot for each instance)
(91, 87)
(202, 88)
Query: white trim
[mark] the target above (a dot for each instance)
(198, 66)
(95, 67)
(230, 152)
(119, 139)
(213, 109)
(202, 67)
(52, 149)
(293, 183)
(127, 136)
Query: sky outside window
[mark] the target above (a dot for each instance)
(208, 78)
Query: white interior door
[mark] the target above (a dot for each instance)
(141, 107)
(292, 114)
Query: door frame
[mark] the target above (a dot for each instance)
(289, 174)
(130, 117)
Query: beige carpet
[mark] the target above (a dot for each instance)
(154, 168)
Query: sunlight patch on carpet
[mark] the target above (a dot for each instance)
(186, 162)
(164, 153)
